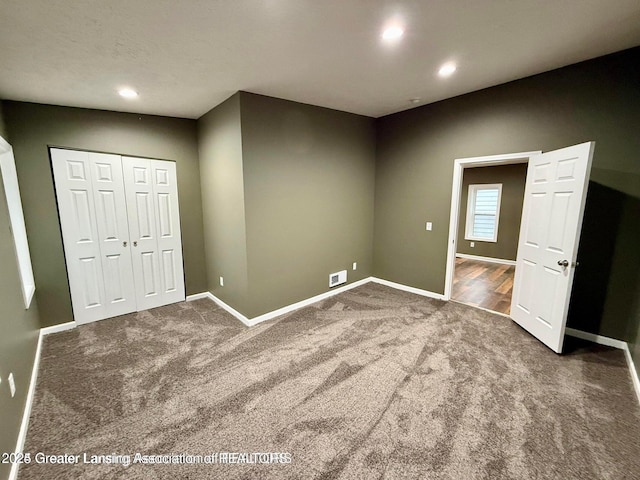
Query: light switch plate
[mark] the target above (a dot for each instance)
(12, 385)
(429, 226)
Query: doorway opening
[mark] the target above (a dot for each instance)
(484, 229)
(491, 201)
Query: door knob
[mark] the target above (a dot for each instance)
(124, 244)
(563, 263)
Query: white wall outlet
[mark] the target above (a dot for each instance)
(222, 281)
(355, 265)
(473, 244)
(12, 385)
(429, 226)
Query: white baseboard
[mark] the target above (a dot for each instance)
(599, 339)
(24, 425)
(632, 370)
(486, 259)
(198, 296)
(58, 328)
(229, 309)
(611, 342)
(250, 322)
(417, 291)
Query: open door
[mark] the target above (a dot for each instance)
(552, 214)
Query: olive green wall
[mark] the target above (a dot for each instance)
(309, 193)
(623, 294)
(223, 200)
(512, 178)
(33, 127)
(18, 340)
(595, 100)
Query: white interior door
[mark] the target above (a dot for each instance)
(152, 207)
(552, 214)
(94, 232)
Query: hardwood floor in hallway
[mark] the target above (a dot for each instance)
(483, 284)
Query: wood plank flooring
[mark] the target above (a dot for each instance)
(483, 284)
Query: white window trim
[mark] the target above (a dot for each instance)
(468, 234)
(16, 217)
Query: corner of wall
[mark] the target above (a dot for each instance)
(222, 185)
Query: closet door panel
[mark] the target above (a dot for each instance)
(168, 225)
(74, 193)
(142, 214)
(113, 232)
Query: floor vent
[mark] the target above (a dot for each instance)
(337, 278)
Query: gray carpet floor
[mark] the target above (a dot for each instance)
(373, 383)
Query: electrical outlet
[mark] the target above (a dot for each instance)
(355, 265)
(12, 385)
(473, 244)
(429, 226)
(222, 281)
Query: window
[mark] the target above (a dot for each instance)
(483, 212)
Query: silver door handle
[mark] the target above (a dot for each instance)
(124, 244)
(135, 244)
(563, 263)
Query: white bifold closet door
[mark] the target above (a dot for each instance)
(121, 232)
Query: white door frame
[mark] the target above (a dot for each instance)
(458, 169)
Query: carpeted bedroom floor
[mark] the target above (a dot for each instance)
(373, 383)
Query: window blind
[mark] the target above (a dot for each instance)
(485, 212)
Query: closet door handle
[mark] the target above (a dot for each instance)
(135, 244)
(124, 244)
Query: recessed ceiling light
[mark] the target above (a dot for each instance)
(128, 93)
(393, 33)
(415, 100)
(447, 69)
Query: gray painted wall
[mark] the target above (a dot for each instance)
(223, 198)
(18, 340)
(512, 178)
(595, 100)
(34, 127)
(309, 194)
(623, 295)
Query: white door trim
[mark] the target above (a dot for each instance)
(458, 167)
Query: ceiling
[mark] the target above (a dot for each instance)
(185, 57)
